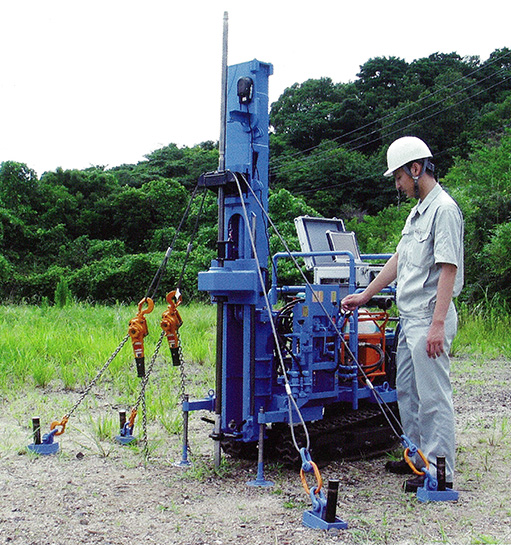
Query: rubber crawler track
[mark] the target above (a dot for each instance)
(344, 433)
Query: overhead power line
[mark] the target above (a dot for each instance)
(359, 180)
(306, 160)
(299, 155)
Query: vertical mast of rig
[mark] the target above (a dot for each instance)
(244, 354)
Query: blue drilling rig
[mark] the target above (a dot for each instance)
(287, 355)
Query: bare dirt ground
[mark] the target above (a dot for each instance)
(97, 492)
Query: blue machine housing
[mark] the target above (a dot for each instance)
(251, 385)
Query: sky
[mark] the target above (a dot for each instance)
(105, 82)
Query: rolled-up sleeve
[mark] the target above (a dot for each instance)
(448, 236)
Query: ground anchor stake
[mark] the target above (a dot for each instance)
(435, 489)
(260, 480)
(36, 430)
(184, 462)
(44, 446)
(322, 516)
(125, 436)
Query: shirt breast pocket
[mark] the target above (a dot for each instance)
(421, 249)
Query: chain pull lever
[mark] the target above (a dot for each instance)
(171, 322)
(137, 330)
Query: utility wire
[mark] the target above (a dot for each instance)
(434, 114)
(323, 155)
(359, 180)
(415, 102)
(284, 159)
(505, 55)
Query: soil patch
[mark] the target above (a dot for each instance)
(98, 492)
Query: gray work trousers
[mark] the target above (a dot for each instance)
(425, 393)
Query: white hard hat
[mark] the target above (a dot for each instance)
(405, 150)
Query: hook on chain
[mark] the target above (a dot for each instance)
(62, 424)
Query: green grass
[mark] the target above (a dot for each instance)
(66, 347)
(45, 350)
(51, 347)
(484, 329)
(49, 355)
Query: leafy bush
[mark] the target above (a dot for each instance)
(63, 295)
(6, 269)
(112, 279)
(33, 287)
(105, 231)
(482, 187)
(381, 233)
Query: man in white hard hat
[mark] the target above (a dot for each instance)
(428, 265)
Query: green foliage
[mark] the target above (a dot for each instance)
(330, 176)
(482, 187)
(444, 98)
(116, 278)
(106, 237)
(171, 162)
(106, 231)
(382, 232)
(497, 251)
(6, 269)
(283, 208)
(19, 187)
(307, 113)
(381, 79)
(33, 286)
(62, 294)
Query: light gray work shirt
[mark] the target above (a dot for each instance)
(432, 235)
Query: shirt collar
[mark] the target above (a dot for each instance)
(422, 206)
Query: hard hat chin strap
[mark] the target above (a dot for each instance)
(424, 166)
(416, 186)
(406, 168)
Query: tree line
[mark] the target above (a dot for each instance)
(329, 139)
(104, 232)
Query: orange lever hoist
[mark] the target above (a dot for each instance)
(137, 330)
(171, 322)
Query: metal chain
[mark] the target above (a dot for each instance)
(96, 378)
(183, 382)
(149, 371)
(181, 369)
(144, 429)
(141, 398)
